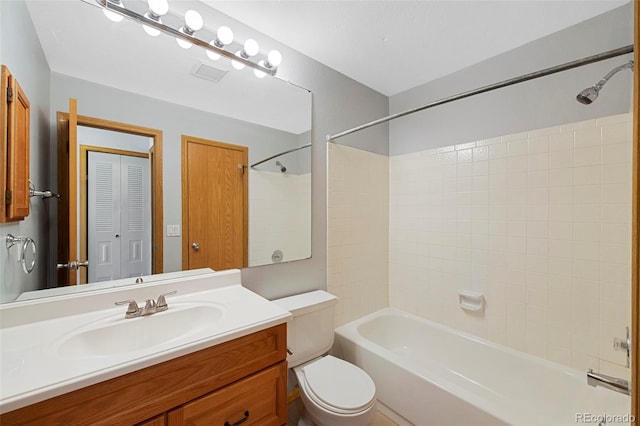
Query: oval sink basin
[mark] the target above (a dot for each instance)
(116, 334)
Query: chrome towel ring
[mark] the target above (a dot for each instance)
(25, 243)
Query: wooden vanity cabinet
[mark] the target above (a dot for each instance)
(14, 149)
(245, 378)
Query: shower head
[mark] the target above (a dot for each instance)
(282, 167)
(590, 94)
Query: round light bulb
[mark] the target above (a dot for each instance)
(258, 73)
(251, 47)
(184, 43)
(112, 15)
(225, 35)
(211, 54)
(237, 65)
(158, 7)
(193, 20)
(274, 58)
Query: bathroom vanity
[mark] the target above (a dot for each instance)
(222, 361)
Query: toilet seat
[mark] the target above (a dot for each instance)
(338, 386)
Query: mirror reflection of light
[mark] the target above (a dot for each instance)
(149, 30)
(259, 73)
(115, 17)
(211, 54)
(237, 65)
(184, 43)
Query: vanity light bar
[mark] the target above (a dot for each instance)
(121, 10)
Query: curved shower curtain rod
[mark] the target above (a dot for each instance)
(280, 153)
(526, 77)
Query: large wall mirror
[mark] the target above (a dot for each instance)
(119, 74)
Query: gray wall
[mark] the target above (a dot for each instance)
(535, 104)
(17, 36)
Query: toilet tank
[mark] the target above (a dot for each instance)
(310, 331)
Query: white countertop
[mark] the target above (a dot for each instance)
(33, 369)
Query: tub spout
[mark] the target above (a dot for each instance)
(609, 382)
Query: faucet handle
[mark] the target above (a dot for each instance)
(132, 308)
(162, 302)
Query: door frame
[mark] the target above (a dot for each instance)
(635, 226)
(185, 196)
(84, 170)
(155, 155)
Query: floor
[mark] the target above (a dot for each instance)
(295, 408)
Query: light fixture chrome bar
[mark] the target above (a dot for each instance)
(526, 77)
(282, 153)
(177, 34)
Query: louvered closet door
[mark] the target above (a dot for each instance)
(135, 219)
(119, 232)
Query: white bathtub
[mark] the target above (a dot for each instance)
(433, 375)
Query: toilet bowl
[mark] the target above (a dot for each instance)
(336, 393)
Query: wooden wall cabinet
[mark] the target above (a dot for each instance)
(243, 379)
(14, 150)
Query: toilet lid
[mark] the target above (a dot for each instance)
(339, 384)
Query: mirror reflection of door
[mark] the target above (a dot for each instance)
(77, 136)
(214, 204)
(116, 236)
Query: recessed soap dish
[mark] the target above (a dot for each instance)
(471, 300)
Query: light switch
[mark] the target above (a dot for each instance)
(173, 230)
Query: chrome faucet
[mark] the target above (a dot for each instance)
(608, 382)
(150, 306)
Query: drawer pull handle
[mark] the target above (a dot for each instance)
(239, 422)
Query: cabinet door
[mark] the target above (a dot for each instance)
(15, 149)
(259, 399)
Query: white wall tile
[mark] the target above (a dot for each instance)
(539, 221)
(360, 261)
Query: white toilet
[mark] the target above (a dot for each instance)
(334, 392)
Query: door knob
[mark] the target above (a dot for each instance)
(73, 265)
(195, 246)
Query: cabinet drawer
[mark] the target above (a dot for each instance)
(256, 400)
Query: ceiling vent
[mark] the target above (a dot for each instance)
(208, 72)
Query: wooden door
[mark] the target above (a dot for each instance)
(68, 189)
(214, 204)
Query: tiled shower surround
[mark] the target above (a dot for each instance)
(539, 222)
(358, 237)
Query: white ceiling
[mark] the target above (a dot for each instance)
(392, 46)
